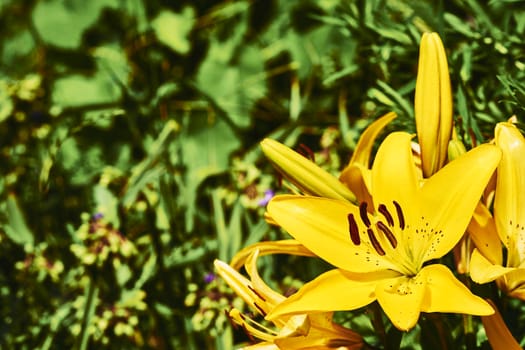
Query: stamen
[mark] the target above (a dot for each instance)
(245, 329)
(400, 215)
(354, 230)
(230, 319)
(363, 213)
(389, 235)
(260, 309)
(383, 210)
(375, 242)
(256, 292)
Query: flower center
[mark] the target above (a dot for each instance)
(515, 244)
(389, 235)
(380, 227)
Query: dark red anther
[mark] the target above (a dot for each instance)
(364, 214)
(375, 242)
(383, 210)
(388, 234)
(260, 309)
(354, 230)
(400, 215)
(256, 292)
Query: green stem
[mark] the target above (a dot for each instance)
(470, 338)
(377, 322)
(89, 311)
(468, 326)
(442, 332)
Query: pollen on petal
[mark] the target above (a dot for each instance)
(354, 230)
(400, 215)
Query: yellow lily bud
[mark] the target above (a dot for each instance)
(433, 103)
(303, 173)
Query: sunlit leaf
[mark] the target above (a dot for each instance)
(172, 29)
(62, 23)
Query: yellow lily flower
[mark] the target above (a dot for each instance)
(433, 103)
(508, 221)
(381, 254)
(304, 331)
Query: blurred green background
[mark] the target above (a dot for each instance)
(129, 135)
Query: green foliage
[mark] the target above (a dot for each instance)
(129, 145)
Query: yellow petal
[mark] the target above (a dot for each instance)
(321, 225)
(331, 291)
(394, 175)
(261, 346)
(433, 103)
(303, 173)
(270, 297)
(251, 327)
(509, 203)
(367, 139)
(357, 178)
(241, 286)
(513, 283)
(498, 334)
(323, 335)
(290, 246)
(451, 195)
(482, 230)
(401, 299)
(446, 294)
(483, 271)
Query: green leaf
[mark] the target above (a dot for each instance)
(106, 204)
(234, 88)
(123, 273)
(78, 90)
(6, 103)
(172, 29)
(206, 147)
(16, 228)
(16, 50)
(62, 23)
(148, 270)
(145, 172)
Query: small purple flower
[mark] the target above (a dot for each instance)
(268, 194)
(98, 216)
(209, 277)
